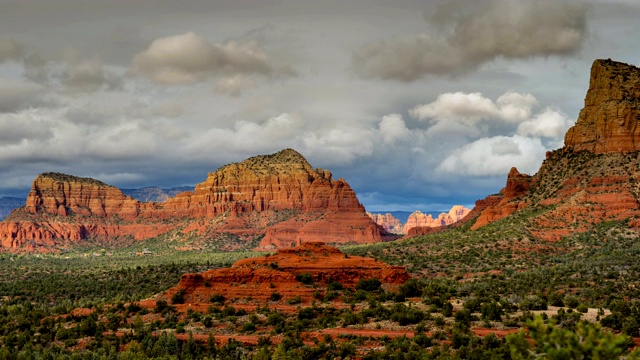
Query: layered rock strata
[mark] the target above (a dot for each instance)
(280, 196)
(257, 278)
(418, 219)
(594, 177)
(388, 222)
(609, 120)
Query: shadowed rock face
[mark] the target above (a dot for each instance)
(258, 277)
(247, 198)
(594, 177)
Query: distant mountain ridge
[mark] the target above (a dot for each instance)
(7, 204)
(155, 193)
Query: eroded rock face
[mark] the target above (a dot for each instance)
(279, 195)
(517, 185)
(258, 277)
(594, 177)
(388, 222)
(420, 220)
(609, 120)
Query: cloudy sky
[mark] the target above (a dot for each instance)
(418, 104)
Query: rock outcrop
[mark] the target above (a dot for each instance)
(257, 278)
(594, 177)
(609, 120)
(279, 196)
(420, 220)
(517, 185)
(388, 222)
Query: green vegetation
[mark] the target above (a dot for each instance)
(574, 298)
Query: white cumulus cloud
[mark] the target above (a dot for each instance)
(393, 128)
(550, 123)
(495, 156)
(469, 108)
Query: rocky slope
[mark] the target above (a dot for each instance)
(279, 197)
(419, 219)
(257, 278)
(595, 177)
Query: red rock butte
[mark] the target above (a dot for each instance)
(257, 278)
(609, 120)
(278, 196)
(594, 177)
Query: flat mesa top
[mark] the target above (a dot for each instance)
(55, 176)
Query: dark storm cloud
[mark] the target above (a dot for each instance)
(462, 41)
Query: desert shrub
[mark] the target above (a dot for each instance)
(549, 341)
(533, 302)
(571, 301)
(372, 284)
(447, 309)
(305, 278)
(334, 286)
(411, 288)
(399, 297)
(248, 327)
(275, 296)
(330, 295)
(161, 305)
(178, 297)
(217, 299)
(582, 308)
(556, 299)
(491, 311)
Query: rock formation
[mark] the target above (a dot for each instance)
(257, 278)
(594, 177)
(517, 185)
(388, 222)
(609, 120)
(279, 196)
(419, 219)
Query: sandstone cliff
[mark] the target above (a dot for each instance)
(418, 219)
(594, 177)
(388, 222)
(609, 120)
(279, 196)
(257, 278)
